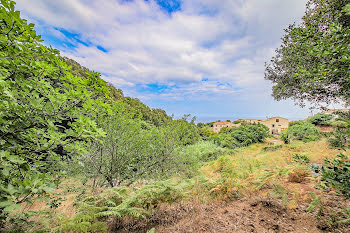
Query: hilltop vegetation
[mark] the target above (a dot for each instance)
(76, 155)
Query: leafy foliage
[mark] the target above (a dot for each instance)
(335, 174)
(301, 131)
(241, 136)
(321, 119)
(45, 112)
(302, 159)
(340, 137)
(133, 149)
(194, 156)
(313, 61)
(119, 202)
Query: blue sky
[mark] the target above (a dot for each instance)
(203, 57)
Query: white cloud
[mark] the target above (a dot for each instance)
(224, 41)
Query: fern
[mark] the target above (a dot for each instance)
(347, 213)
(315, 203)
(93, 211)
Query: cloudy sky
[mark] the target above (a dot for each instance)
(203, 57)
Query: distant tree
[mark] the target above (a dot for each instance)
(321, 119)
(200, 125)
(313, 62)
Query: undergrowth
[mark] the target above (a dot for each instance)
(118, 202)
(249, 172)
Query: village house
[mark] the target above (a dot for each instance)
(219, 125)
(276, 125)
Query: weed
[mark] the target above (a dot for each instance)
(298, 175)
(335, 173)
(316, 203)
(272, 148)
(302, 159)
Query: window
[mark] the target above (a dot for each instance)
(273, 126)
(277, 120)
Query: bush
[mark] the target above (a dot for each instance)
(298, 175)
(272, 148)
(338, 139)
(321, 119)
(335, 173)
(302, 131)
(193, 156)
(241, 136)
(119, 202)
(295, 123)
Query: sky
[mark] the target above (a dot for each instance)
(200, 57)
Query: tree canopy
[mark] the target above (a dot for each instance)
(313, 61)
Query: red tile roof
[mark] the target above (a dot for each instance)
(222, 123)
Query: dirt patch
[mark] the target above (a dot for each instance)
(236, 216)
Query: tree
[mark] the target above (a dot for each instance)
(134, 149)
(313, 61)
(45, 112)
(321, 119)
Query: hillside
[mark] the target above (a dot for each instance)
(256, 189)
(76, 155)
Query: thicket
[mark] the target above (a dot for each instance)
(54, 122)
(304, 131)
(241, 136)
(45, 112)
(321, 119)
(340, 137)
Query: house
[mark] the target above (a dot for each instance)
(219, 125)
(276, 125)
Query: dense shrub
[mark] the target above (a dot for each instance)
(295, 123)
(116, 203)
(302, 131)
(193, 156)
(46, 113)
(241, 136)
(335, 174)
(133, 149)
(321, 119)
(339, 138)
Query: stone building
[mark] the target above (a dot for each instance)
(276, 125)
(219, 125)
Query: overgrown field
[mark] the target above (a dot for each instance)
(271, 177)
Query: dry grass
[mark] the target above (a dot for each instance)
(251, 172)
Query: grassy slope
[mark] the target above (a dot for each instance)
(247, 174)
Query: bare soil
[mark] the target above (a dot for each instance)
(234, 216)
